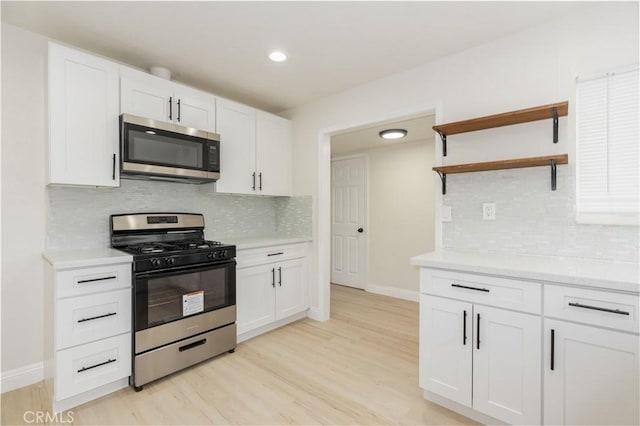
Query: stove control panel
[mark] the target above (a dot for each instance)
(166, 261)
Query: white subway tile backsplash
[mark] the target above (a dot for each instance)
(530, 217)
(79, 217)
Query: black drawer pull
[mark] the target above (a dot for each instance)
(109, 361)
(471, 288)
(276, 254)
(192, 345)
(596, 308)
(97, 279)
(110, 314)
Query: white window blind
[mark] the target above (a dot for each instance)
(608, 149)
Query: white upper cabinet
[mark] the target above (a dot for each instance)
(255, 150)
(83, 119)
(236, 124)
(273, 143)
(152, 97)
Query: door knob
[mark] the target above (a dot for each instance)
(360, 230)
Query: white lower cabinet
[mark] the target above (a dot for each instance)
(87, 328)
(591, 356)
(481, 357)
(269, 291)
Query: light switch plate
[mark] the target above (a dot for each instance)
(446, 213)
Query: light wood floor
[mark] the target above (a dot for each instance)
(360, 367)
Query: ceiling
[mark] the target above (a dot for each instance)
(222, 47)
(418, 129)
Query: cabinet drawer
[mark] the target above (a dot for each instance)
(614, 310)
(501, 292)
(261, 256)
(93, 317)
(81, 281)
(95, 364)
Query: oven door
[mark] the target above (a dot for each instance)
(162, 297)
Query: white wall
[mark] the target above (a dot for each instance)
(401, 215)
(529, 68)
(23, 195)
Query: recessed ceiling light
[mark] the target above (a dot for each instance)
(278, 56)
(393, 134)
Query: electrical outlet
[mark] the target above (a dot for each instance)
(488, 211)
(446, 213)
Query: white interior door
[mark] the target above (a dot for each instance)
(348, 230)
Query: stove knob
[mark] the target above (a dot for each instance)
(210, 255)
(171, 261)
(223, 253)
(155, 262)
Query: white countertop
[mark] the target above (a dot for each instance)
(67, 259)
(583, 272)
(250, 243)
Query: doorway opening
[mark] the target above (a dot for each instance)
(382, 205)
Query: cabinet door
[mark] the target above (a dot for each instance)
(146, 95)
(195, 108)
(236, 124)
(594, 378)
(445, 353)
(290, 288)
(255, 297)
(273, 154)
(83, 119)
(506, 365)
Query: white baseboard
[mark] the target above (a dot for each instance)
(21, 377)
(461, 409)
(398, 293)
(265, 328)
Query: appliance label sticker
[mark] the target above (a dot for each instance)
(192, 303)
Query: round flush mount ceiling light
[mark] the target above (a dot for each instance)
(278, 56)
(393, 134)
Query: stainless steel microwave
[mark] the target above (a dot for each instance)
(152, 149)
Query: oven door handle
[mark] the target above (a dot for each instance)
(185, 269)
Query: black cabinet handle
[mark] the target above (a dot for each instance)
(112, 277)
(597, 308)
(110, 314)
(276, 254)
(260, 178)
(113, 168)
(280, 276)
(192, 345)
(471, 288)
(464, 328)
(478, 334)
(109, 361)
(553, 349)
(254, 182)
(170, 108)
(178, 110)
(273, 277)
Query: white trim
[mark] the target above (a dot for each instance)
(21, 377)
(90, 395)
(324, 192)
(622, 219)
(461, 409)
(398, 293)
(269, 327)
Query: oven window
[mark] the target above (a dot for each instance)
(160, 299)
(164, 150)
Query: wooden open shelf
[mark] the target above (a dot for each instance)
(503, 164)
(543, 112)
(548, 160)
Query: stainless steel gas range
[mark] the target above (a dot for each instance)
(184, 292)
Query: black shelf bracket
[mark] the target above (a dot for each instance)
(554, 111)
(552, 163)
(444, 143)
(443, 178)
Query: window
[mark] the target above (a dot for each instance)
(608, 149)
